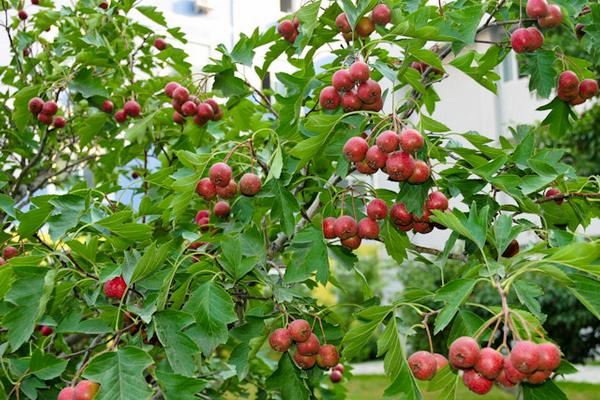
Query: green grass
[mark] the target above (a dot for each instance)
(372, 387)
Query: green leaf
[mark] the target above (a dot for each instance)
(212, 308)
(432, 125)
(445, 382)
(453, 294)
(46, 366)
(284, 205)
(545, 391)
(309, 20)
(137, 132)
(233, 259)
(88, 85)
(504, 232)
(153, 14)
(559, 118)
(357, 337)
(581, 256)
(586, 290)
(243, 51)
(150, 261)
(32, 220)
(309, 254)
(116, 223)
(287, 380)
(179, 348)
(395, 242)
(389, 344)
(178, 387)
(120, 374)
(527, 293)
(404, 386)
(466, 323)
(21, 114)
(543, 75)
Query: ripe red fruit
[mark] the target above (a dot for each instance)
(2, 261)
(476, 382)
(9, 252)
(205, 111)
(359, 72)
(553, 18)
(345, 227)
(341, 21)
(400, 166)
(503, 380)
(309, 347)
(250, 184)
(588, 88)
(206, 188)
(437, 201)
(160, 44)
(35, 2)
(228, 191)
(286, 28)
(537, 8)
(464, 353)
(86, 390)
(490, 363)
(103, 5)
(328, 229)
(170, 88)
(382, 14)
(577, 101)
(299, 330)
(351, 102)
(369, 91)
(377, 106)
(419, 66)
(49, 108)
(188, 108)
(59, 122)
(512, 374)
(356, 149)
(23, 15)
(524, 356)
(67, 393)
(120, 116)
(400, 215)
(35, 105)
(376, 159)
(181, 94)
(387, 141)
(280, 340)
(411, 140)
(568, 81)
(422, 227)
(46, 330)
(328, 356)
(222, 209)
(202, 214)
(352, 243)
(423, 365)
(214, 106)
(342, 81)
(364, 168)
(304, 362)
(329, 98)
(44, 118)
(580, 31)
(364, 27)
(512, 249)
(377, 209)
(115, 287)
(536, 38)
(220, 174)
(108, 106)
(339, 367)
(549, 356)
(335, 376)
(368, 229)
(539, 377)
(178, 118)
(520, 40)
(440, 360)
(132, 108)
(420, 173)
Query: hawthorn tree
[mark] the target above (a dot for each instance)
(243, 199)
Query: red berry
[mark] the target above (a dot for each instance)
(108, 106)
(46, 330)
(553, 18)
(345, 227)
(341, 21)
(400, 166)
(329, 98)
(160, 44)
(351, 243)
(464, 353)
(339, 367)
(309, 347)
(67, 393)
(328, 230)
(382, 14)
(49, 108)
(440, 360)
(423, 365)
(341, 81)
(189, 108)
(376, 159)
(422, 227)
(520, 40)
(437, 201)
(359, 72)
(299, 330)
(120, 116)
(213, 104)
(411, 140)
(44, 118)
(181, 94)
(512, 374)
(490, 363)
(568, 81)
(206, 189)
(503, 380)
(549, 356)
(178, 118)
(421, 172)
(539, 377)
(10, 252)
(387, 141)
(250, 184)
(304, 362)
(368, 229)
(400, 215)
(377, 106)
(364, 27)
(222, 209)
(588, 88)
(280, 340)
(205, 111)
(356, 149)
(328, 356)
(524, 356)
(220, 174)
(86, 390)
(286, 28)
(369, 92)
(115, 287)
(132, 108)
(512, 249)
(59, 122)
(537, 8)
(35, 105)
(476, 382)
(351, 102)
(335, 376)
(536, 38)
(377, 209)
(228, 191)
(103, 5)
(364, 168)
(23, 15)
(170, 88)
(2, 261)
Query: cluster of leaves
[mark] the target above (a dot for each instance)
(196, 322)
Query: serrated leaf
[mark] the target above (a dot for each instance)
(287, 380)
(527, 293)
(587, 291)
(308, 255)
(46, 366)
(545, 391)
(453, 294)
(179, 348)
(395, 242)
(179, 387)
(153, 14)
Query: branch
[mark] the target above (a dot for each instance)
(10, 40)
(34, 161)
(568, 195)
(435, 252)
(265, 100)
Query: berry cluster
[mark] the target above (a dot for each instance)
(187, 105)
(574, 92)
(8, 253)
(220, 183)
(406, 221)
(366, 96)
(288, 29)
(45, 112)
(381, 15)
(337, 373)
(526, 39)
(527, 362)
(308, 348)
(548, 15)
(84, 390)
(424, 365)
(131, 109)
(115, 288)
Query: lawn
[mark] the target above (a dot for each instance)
(372, 387)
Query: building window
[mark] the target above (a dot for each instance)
(285, 5)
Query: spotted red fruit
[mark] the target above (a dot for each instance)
(181, 94)
(476, 382)
(411, 140)
(108, 106)
(201, 214)
(512, 374)
(35, 105)
(423, 365)
(328, 228)
(369, 92)
(341, 22)
(336, 376)
(22, 15)
(441, 361)
(342, 81)
(400, 166)
(503, 380)
(364, 27)
(345, 227)
(10, 252)
(178, 118)
(524, 356)
(377, 106)
(160, 44)
(536, 38)
(280, 340)
(115, 288)
(421, 172)
(188, 108)
(220, 174)
(44, 118)
(46, 330)
(512, 249)
(351, 243)
(120, 116)
(309, 347)
(132, 108)
(588, 88)
(553, 18)
(299, 330)
(86, 390)
(364, 168)
(49, 108)
(382, 14)
(170, 88)
(537, 8)
(286, 28)
(59, 122)
(400, 215)
(464, 353)
(539, 377)
(549, 356)
(376, 159)
(328, 356)
(250, 184)
(359, 72)
(437, 201)
(214, 105)
(368, 229)
(351, 102)
(339, 367)
(422, 227)
(222, 209)
(67, 393)
(568, 82)
(304, 362)
(329, 98)
(490, 363)
(205, 111)
(228, 191)
(520, 40)
(356, 149)
(206, 188)
(377, 209)
(387, 141)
